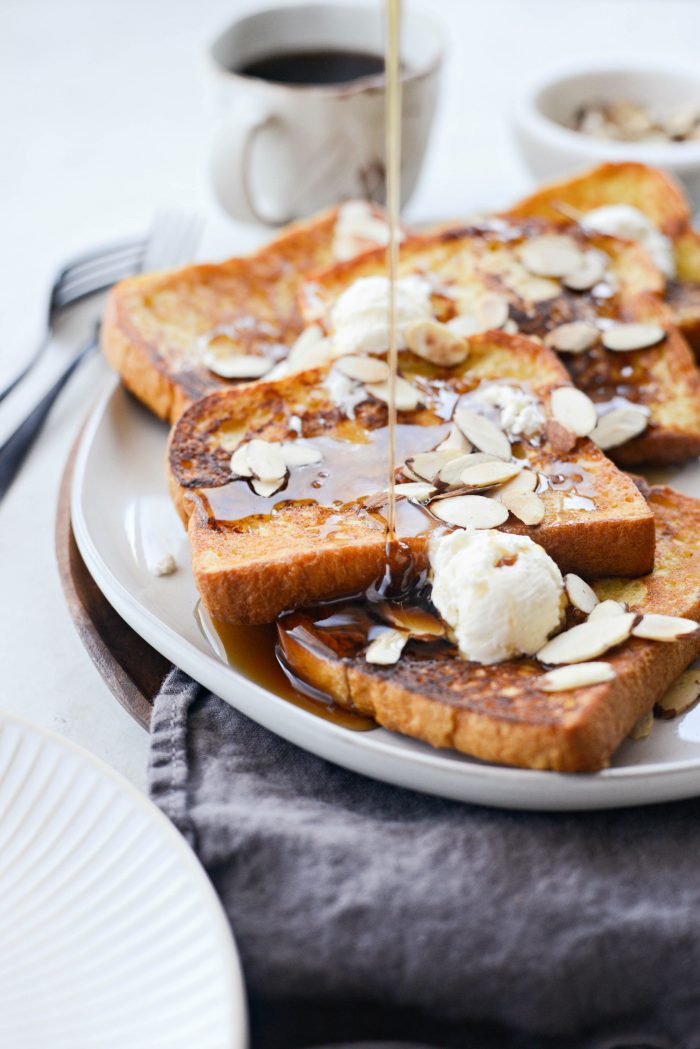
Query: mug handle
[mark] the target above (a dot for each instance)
(231, 156)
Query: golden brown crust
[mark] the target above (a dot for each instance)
(497, 713)
(654, 193)
(152, 322)
(249, 578)
(683, 293)
(253, 567)
(664, 379)
(674, 433)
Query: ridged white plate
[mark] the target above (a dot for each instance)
(111, 936)
(123, 522)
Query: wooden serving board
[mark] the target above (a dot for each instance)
(129, 666)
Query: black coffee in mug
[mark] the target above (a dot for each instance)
(327, 66)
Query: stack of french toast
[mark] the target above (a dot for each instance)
(543, 351)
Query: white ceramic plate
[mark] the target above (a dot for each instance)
(111, 933)
(123, 520)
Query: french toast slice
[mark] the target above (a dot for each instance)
(467, 266)
(653, 192)
(154, 325)
(498, 713)
(658, 196)
(323, 534)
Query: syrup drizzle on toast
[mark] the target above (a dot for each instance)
(398, 572)
(393, 204)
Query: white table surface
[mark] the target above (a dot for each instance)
(104, 118)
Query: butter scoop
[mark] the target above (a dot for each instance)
(500, 595)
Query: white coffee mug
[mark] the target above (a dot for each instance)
(282, 151)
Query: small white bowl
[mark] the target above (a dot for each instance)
(550, 149)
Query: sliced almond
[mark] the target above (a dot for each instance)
(364, 369)
(299, 453)
(483, 433)
(408, 472)
(427, 465)
(266, 460)
(238, 365)
(489, 314)
(590, 270)
(417, 490)
(683, 693)
(416, 621)
(387, 647)
(470, 511)
(308, 337)
(551, 255)
(575, 337)
(625, 337)
(581, 595)
(454, 440)
(588, 640)
(574, 410)
(527, 507)
(266, 488)
(656, 627)
(486, 475)
(452, 492)
(523, 483)
(407, 396)
(642, 728)
(561, 438)
(451, 473)
(435, 342)
(312, 349)
(493, 311)
(464, 325)
(239, 462)
(578, 675)
(607, 608)
(619, 426)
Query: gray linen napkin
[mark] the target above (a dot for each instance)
(363, 911)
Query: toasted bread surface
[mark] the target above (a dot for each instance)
(658, 196)
(468, 265)
(498, 713)
(324, 534)
(156, 327)
(466, 262)
(153, 324)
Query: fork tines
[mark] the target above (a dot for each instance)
(96, 270)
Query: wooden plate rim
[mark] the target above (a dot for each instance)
(129, 666)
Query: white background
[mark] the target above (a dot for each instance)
(104, 118)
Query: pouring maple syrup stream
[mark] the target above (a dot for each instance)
(399, 561)
(393, 205)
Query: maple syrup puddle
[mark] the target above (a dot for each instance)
(253, 651)
(346, 466)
